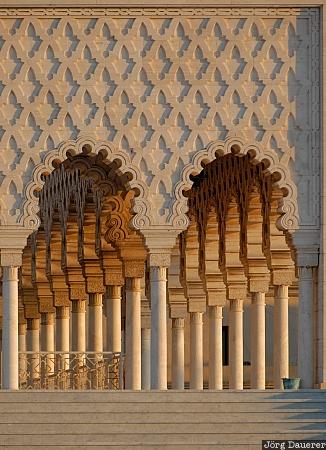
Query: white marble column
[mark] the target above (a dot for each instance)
(281, 335)
(257, 338)
(33, 345)
(145, 358)
(10, 328)
(47, 340)
(159, 328)
(78, 319)
(95, 328)
(178, 353)
(306, 328)
(133, 333)
(62, 335)
(236, 344)
(215, 347)
(114, 318)
(22, 330)
(47, 332)
(196, 350)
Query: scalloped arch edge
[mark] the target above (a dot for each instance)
(289, 220)
(141, 206)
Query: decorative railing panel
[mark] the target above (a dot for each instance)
(63, 370)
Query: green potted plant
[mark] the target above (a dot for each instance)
(291, 383)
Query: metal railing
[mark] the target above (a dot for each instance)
(71, 370)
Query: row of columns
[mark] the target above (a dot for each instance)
(133, 337)
(257, 332)
(136, 363)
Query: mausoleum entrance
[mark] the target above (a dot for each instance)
(87, 288)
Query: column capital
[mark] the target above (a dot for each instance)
(63, 312)
(196, 317)
(113, 292)
(158, 273)
(160, 242)
(215, 311)
(159, 259)
(259, 284)
(9, 273)
(94, 285)
(283, 276)
(47, 318)
(134, 268)
(306, 243)
(11, 257)
(236, 305)
(33, 324)
(305, 272)
(133, 284)
(95, 299)
(77, 291)
(178, 322)
(12, 242)
(258, 298)
(78, 306)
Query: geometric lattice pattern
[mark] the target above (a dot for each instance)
(160, 88)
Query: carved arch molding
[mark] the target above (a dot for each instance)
(143, 204)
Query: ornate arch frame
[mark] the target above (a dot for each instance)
(85, 145)
(288, 207)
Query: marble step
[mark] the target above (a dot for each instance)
(191, 440)
(60, 407)
(207, 396)
(148, 418)
(172, 420)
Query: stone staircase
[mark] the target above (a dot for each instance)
(172, 420)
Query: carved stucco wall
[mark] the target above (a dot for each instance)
(159, 84)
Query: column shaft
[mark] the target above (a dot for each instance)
(95, 328)
(62, 329)
(47, 332)
(158, 327)
(22, 337)
(33, 335)
(62, 336)
(133, 333)
(33, 345)
(22, 349)
(114, 318)
(47, 342)
(281, 335)
(146, 358)
(215, 348)
(10, 328)
(236, 344)
(257, 337)
(78, 319)
(306, 328)
(178, 352)
(196, 350)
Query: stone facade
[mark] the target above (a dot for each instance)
(158, 93)
(159, 86)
